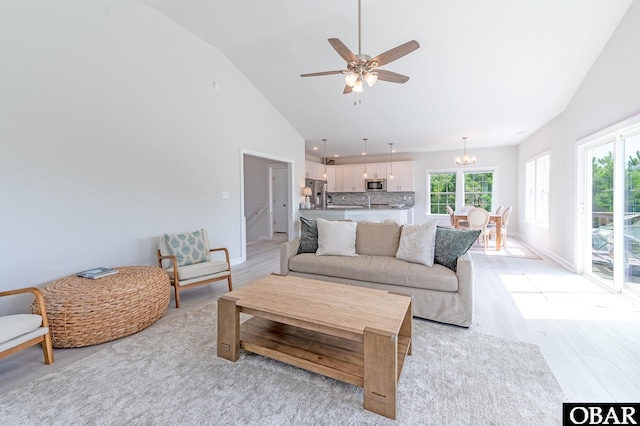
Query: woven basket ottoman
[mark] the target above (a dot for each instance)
(84, 312)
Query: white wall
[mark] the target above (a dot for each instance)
(111, 135)
(504, 159)
(609, 94)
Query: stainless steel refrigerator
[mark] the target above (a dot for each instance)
(318, 193)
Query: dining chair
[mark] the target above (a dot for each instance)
(461, 223)
(478, 218)
(468, 207)
(503, 228)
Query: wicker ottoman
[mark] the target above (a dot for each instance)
(85, 312)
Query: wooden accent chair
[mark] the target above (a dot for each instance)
(184, 273)
(19, 331)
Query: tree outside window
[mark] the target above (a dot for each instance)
(466, 187)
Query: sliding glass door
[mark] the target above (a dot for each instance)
(631, 218)
(612, 200)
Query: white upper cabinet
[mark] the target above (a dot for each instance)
(402, 176)
(313, 170)
(352, 178)
(377, 171)
(349, 177)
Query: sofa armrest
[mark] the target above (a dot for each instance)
(287, 251)
(464, 271)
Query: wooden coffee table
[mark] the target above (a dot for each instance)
(353, 334)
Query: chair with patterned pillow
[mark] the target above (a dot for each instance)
(19, 331)
(187, 259)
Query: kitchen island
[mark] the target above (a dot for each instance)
(361, 213)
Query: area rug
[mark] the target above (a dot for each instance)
(169, 374)
(515, 248)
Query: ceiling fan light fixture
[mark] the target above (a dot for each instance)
(371, 78)
(350, 79)
(357, 87)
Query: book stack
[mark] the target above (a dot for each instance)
(96, 273)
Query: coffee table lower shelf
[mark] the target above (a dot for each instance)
(336, 357)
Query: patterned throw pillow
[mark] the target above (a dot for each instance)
(453, 243)
(189, 247)
(308, 236)
(417, 243)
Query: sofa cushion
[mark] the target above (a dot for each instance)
(336, 238)
(453, 243)
(198, 270)
(378, 239)
(12, 326)
(417, 243)
(377, 269)
(188, 247)
(308, 236)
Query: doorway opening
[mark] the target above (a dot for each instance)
(267, 198)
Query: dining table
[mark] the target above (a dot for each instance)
(493, 218)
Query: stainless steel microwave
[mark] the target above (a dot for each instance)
(375, 185)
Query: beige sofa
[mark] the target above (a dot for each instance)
(439, 293)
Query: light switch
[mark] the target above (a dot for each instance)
(225, 194)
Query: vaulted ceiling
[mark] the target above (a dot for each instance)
(493, 70)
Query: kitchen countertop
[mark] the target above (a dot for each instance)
(354, 207)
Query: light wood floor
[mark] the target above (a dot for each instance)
(589, 336)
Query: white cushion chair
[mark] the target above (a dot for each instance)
(19, 331)
(478, 218)
(503, 229)
(187, 260)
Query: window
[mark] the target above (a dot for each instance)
(443, 192)
(478, 189)
(458, 187)
(537, 190)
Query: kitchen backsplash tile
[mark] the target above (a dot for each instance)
(360, 198)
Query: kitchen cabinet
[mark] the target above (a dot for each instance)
(347, 178)
(402, 177)
(352, 180)
(313, 170)
(377, 171)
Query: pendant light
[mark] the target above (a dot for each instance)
(465, 160)
(391, 174)
(324, 160)
(364, 175)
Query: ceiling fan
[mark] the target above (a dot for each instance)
(362, 67)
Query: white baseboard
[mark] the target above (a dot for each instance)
(552, 256)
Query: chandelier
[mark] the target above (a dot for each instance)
(466, 159)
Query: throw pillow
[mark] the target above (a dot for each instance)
(453, 243)
(417, 243)
(336, 238)
(188, 247)
(308, 236)
(377, 239)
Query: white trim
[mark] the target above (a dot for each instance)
(583, 147)
(459, 171)
(614, 130)
(291, 196)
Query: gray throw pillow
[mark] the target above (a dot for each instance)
(308, 236)
(453, 243)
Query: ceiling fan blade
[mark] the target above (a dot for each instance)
(396, 53)
(347, 89)
(342, 50)
(315, 74)
(391, 76)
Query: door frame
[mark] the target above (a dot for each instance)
(583, 146)
(290, 195)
